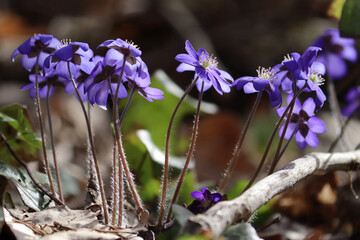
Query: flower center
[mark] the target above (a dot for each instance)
(265, 73)
(208, 62)
(132, 44)
(315, 77)
(288, 58)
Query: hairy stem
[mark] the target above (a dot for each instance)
(167, 150)
(262, 161)
(93, 151)
(238, 146)
(277, 153)
(118, 139)
(39, 113)
(189, 154)
(53, 146)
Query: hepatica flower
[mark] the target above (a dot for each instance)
(203, 200)
(40, 45)
(335, 50)
(303, 124)
(298, 70)
(47, 82)
(77, 54)
(353, 101)
(266, 80)
(205, 67)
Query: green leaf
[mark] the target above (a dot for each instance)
(335, 9)
(16, 125)
(29, 194)
(243, 231)
(350, 19)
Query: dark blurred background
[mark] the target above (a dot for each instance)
(242, 34)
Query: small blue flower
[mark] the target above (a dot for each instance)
(205, 67)
(266, 80)
(204, 200)
(303, 122)
(40, 45)
(353, 101)
(78, 54)
(297, 71)
(49, 80)
(140, 82)
(335, 50)
(103, 80)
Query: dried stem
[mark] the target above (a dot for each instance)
(28, 170)
(238, 145)
(39, 113)
(93, 151)
(189, 154)
(167, 150)
(53, 146)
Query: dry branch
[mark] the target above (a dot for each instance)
(226, 213)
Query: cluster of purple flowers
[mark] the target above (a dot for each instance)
(96, 77)
(204, 199)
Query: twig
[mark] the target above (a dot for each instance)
(226, 213)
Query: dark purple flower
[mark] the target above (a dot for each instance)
(303, 123)
(204, 200)
(78, 54)
(103, 80)
(126, 48)
(140, 82)
(205, 67)
(335, 50)
(266, 80)
(41, 45)
(298, 70)
(49, 80)
(353, 101)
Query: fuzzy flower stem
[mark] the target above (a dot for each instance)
(167, 150)
(277, 153)
(92, 145)
(40, 116)
(115, 188)
(238, 146)
(289, 140)
(126, 108)
(189, 154)
(118, 138)
(262, 161)
(121, 192)
(53, 146)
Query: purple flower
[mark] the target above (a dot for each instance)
(205, 67)
(303, 123)
(140, 82)
(78, 54)
(335, 50)
(40, 45)
(104, 78)
(297, 71)
(353, 101)
(50, 80)
(204, 200)
(126, 48)
(266, 80)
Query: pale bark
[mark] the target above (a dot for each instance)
(226, 213)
